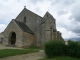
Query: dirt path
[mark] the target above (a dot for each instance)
(30, 56)
(6, 47)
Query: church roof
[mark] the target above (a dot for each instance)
(25, 10)
(24, 27)
(47, 14)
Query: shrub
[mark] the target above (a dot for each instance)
(54, 48)
(58, 48)
(73, 49)
(78, 51)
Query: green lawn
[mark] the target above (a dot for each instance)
(61, 58)
(12, 52)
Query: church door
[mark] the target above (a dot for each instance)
(12, 40)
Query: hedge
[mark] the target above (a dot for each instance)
(54, 48)
(58, 48)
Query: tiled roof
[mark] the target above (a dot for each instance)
(24, 27)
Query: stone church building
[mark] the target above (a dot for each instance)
(30, 29)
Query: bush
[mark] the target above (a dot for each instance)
(73, 49)
(58, 48)
(54, 48)
(78, 51)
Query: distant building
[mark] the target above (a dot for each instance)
(66, 42)
(1, 37)
(30, 29)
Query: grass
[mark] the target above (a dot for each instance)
(61, 58)
(12, 52)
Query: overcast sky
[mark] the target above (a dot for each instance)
(66, 13)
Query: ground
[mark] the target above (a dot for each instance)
(6, 47)
(30, 56)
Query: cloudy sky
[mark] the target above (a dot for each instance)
(66, 13)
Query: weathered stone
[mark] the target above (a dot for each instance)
(29, 29)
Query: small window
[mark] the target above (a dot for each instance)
(47, 15)
(54, 22)
(24, 19)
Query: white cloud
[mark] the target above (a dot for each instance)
(2, 27)
(67, 33)
(62, 11)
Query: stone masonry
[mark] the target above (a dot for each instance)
(30, 29)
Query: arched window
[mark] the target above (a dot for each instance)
(24, 19)
(12, 38)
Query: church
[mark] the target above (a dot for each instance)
(30, 29)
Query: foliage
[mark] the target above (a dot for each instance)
(73, 49)
(61, 58)
(58, 48)
(54, 48)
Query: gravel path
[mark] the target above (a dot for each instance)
(30, 56)
(6, 47)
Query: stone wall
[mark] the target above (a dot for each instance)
(32, 19)
(44, 29)
(54, 36)
(12, 27)
(59, 36)
(1, 37)
(33, 22)
(28, 39)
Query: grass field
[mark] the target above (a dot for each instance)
(61, 58)
(12, 52)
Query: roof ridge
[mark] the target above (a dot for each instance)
(29, 11)
(33, 12)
